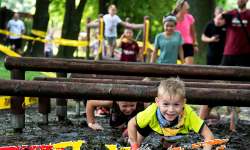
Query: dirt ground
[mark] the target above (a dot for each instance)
(75, 128)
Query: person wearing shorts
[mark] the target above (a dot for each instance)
(215, 37)
(185, 24)
(111, 20)
(237, 46)
(15, 26)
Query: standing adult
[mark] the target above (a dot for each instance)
(215, 37)
(237, 46)
(185, 24)
(15, 26)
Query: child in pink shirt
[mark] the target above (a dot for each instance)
(185, 24)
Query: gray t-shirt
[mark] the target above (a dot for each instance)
(169, 47)
(51, 45)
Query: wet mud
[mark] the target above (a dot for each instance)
(75, 129)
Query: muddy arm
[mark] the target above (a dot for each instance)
(91, 104)
(208, 135)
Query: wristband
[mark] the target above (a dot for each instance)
(90, 124)
(134, 147)
(195, 44)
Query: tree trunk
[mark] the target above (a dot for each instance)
(103, 6)
(71, 27)
(40, 22)
(202, 12)
(6, 15)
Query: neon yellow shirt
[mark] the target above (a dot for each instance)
(148, 118)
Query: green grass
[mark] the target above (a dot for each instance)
(29, 75)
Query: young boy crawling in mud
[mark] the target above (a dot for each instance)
(122, 112)
(169, 116)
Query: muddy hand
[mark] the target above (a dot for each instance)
(96, 127)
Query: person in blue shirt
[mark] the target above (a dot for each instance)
(169, 42)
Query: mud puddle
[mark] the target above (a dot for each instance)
(75, 129)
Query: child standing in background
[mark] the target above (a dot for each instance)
(95, 45)
(129, 47)
(169, 42)
(111, 20)
(48, 47)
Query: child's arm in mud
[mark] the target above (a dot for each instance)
(91, 104)
(208, 135)
(132, 132)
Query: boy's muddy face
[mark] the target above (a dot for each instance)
(127, 108)
(170, 107)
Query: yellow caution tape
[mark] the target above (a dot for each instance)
(146, 37)
(5, 101)
(100, 38)
(8, 51)
(11, 53)
(50, 74)
(64, 42)
(39, 33)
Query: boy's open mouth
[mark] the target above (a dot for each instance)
(171, 115)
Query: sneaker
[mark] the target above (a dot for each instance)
(125, 133)
(214, 122)
(107, 112)
(161, 140)
(125, 139)
(102, 112)
(112, 56)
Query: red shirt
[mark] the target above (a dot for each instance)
(236, 40)
(129, 51)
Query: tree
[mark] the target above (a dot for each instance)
(202, 13)
(71, 26)
(103, 6)
(40, 22)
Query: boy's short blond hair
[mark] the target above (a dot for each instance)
(112, 7)
(172, 86)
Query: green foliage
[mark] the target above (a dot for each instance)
(57, 12)
(90, 10)
(19, 5)
(228, 4)
(29, 75)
